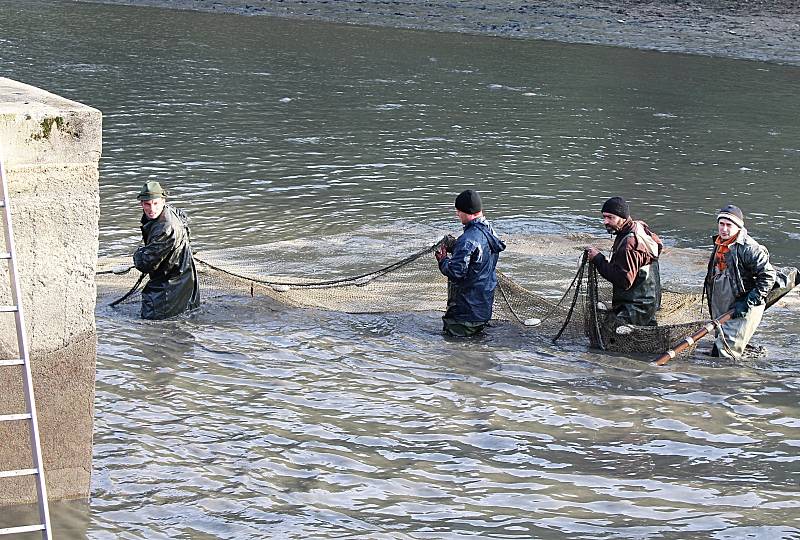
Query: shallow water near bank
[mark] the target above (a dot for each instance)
(254, 420)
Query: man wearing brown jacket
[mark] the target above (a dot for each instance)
(633, 268)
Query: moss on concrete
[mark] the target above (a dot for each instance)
(47, 126)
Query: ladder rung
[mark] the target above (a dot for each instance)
(8, 309)
(5, 255)
(12, 417)
(12, 362)
(23, 529)
(18, 472)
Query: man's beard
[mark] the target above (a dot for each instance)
(611, 229)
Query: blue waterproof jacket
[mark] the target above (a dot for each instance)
(470, 272)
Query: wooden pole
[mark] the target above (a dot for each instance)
(792, 280)
(688, 341)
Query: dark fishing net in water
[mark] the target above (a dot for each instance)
(579, 313)
(405, 285)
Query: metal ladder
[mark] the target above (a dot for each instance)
(24, 361)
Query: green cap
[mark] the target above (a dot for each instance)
(151, 190)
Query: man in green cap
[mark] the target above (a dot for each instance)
(166, 257)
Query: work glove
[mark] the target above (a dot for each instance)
(740, 308)
(743, 305)
(440, 253)
(753, 297)
(449, 241)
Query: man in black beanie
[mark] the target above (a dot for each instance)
(739, 278)
(633, 267)
(470, 269)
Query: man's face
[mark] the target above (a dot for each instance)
(463, 217)
(153, 208)
(727, 229)
(612, 222)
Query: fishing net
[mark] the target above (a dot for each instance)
(577, 311)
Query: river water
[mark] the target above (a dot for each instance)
(247, 420)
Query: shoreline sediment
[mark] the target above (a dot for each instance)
(760, 30)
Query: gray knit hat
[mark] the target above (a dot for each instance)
(732, 213)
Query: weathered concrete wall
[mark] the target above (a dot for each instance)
(51, 148)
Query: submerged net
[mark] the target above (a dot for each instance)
(577, 311)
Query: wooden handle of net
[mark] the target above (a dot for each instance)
(690, 340)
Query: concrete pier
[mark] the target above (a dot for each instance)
(51, 148)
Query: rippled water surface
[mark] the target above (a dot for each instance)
(253, 420)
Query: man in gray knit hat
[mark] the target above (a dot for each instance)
(739, 278)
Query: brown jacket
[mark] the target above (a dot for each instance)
(629, 254)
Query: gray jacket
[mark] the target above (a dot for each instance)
(748, 265)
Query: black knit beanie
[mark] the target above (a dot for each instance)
(617, 206)
(732, 213)
(469, 202)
